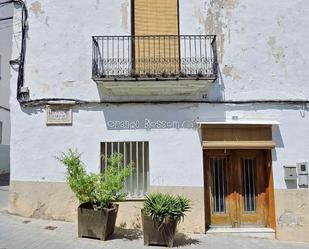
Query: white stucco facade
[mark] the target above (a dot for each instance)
(261, 58)
(186, 161)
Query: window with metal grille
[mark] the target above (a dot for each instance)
(134, 153)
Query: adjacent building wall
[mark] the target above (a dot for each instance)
(5, 142)
(6, 28)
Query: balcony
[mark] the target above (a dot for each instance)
(155, 65)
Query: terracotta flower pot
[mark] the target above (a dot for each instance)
(97, 224)
(156, 233)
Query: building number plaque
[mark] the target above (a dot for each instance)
(59, 115)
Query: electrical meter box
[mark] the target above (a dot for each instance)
(302, 168)
(290, 173)
(303, 179)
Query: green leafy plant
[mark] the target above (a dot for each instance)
(98, 189)
(164, 207)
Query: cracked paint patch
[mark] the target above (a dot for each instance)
(276, 51)
(230, 4)
(214, 18)
(125, 15)
(46, 21)
(36, 8)
(231, 71)
(289, 218)
(280, 19)
(68, 83)
(45, 88)
(97, 4)
(39, 211)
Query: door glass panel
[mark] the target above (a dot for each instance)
(219, 189)
(248, 171)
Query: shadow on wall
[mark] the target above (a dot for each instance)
(33, 110)
(217, 90)
(144, 116)
(291, 184)
(277, 138)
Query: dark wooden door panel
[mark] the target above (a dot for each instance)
(218, 195)
(236, 183)
(253, 176)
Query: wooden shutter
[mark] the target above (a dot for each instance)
(156, 55)
(156, 17)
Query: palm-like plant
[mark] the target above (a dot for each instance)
(164, 207)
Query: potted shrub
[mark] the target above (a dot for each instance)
(160, 216)
(96, 193)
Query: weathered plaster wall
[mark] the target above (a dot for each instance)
(259, 48)
(59, 46)
(55, 200)
(292, 209)
(261, 56)
(51, 200)
(45, 200)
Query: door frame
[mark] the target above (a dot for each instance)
(269, 190)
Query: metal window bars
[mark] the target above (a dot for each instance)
(248, 169)
(219, 187)
(135, 154)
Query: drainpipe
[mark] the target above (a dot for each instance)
(22, 92)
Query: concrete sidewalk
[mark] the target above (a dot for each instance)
(23, 233)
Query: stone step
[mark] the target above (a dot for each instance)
(252, 232)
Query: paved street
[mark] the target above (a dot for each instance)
(23, 233)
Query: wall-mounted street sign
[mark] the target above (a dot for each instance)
(59, 115)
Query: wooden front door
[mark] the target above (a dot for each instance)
(236, 188)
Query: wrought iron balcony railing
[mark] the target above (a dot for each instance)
(162, 57)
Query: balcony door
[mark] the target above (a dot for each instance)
(156, 46)
(236, 193)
